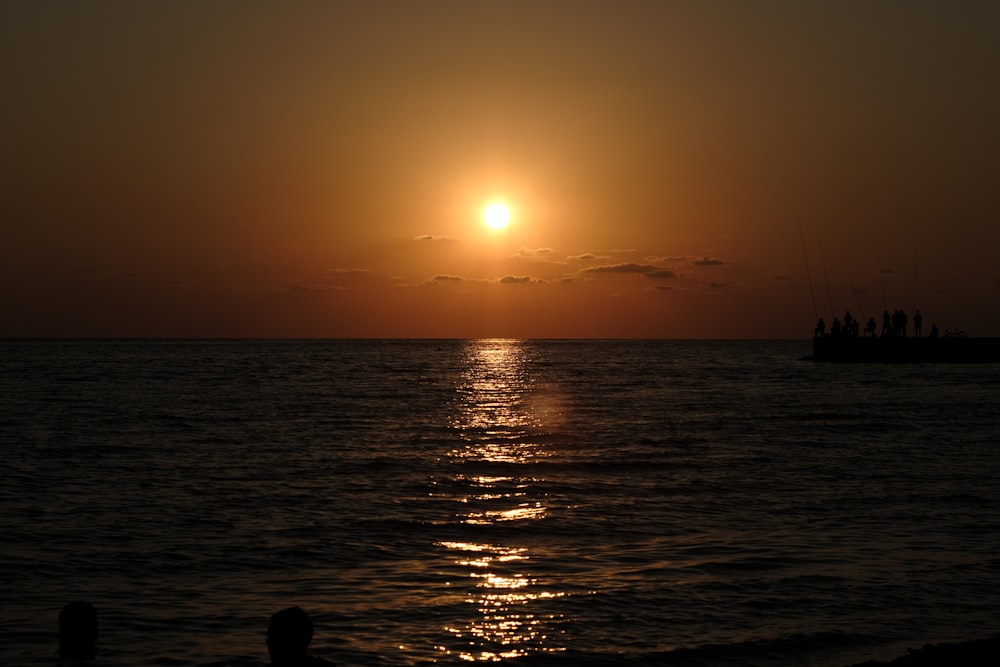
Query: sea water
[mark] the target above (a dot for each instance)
(536, 502)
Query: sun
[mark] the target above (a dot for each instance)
(497, 215)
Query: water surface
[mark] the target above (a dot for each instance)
(543, 502)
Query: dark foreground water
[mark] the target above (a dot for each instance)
(545, 503)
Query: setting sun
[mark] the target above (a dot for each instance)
(497, 216)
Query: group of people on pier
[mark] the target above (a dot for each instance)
(893, 326)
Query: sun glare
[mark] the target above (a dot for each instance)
(497, 216)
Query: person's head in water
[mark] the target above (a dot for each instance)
(78, 631)
(288, 636)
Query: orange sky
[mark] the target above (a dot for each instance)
(319, 169)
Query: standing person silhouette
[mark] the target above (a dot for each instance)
(288, 635)
(77, 634)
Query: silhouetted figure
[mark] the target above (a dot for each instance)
(835, 328)
(934, 331)
(886, 324)
(820, 328)
(902, 323)
(918, 319)
(848, 323)
(288, 637)
(870, 327)
(77, 634)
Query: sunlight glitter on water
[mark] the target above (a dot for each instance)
(506, 627)
(493, 418)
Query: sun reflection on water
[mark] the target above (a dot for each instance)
(495, 422)
(506, 626)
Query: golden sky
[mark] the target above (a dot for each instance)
(320, 169)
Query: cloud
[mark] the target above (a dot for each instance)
(508, 280)
(628, 267)
(533, 253)
(585, 257)
(648, 270)
(444, 278)
(686, 260)
(434, 237)
(721, 285)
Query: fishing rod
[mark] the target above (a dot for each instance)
(805, 256)
(829, 296)
(861, 309)
(881, 279)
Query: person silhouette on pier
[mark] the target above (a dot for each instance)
(870, 328)
(886, 323)
(288, 635)
(918, 319)
(77, 634)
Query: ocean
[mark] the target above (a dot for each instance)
(525, 501)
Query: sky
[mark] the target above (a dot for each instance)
(672, 169)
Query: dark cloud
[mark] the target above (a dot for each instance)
(432, 237)
(686, 260)
(628, 267)
(517, 279)
(585, 257)
(446, 278)
(648, 270)
(662, 274)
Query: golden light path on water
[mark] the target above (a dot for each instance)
(496, 424)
